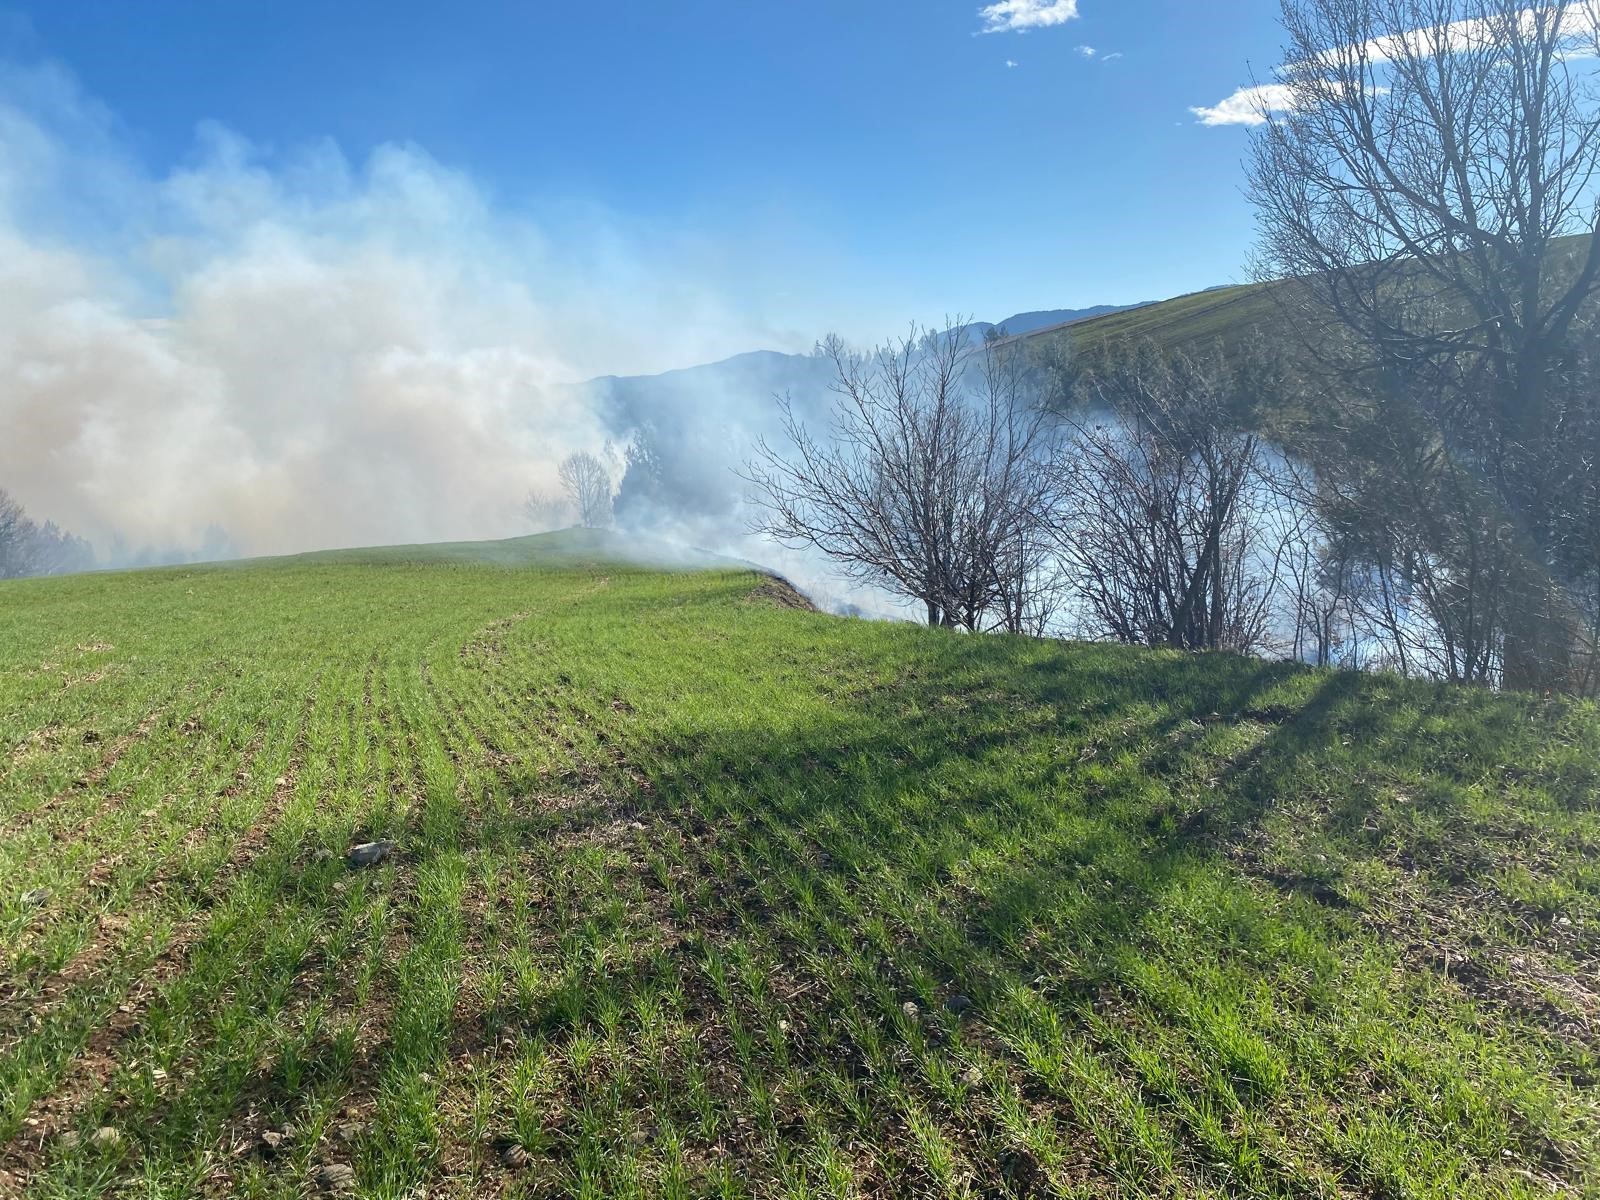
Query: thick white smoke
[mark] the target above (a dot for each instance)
(300, 350)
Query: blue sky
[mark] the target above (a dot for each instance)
(324, 273)
(851, 164)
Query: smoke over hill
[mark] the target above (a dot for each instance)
(267, 352)
(263, 352)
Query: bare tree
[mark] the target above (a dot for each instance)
(1030, 587)
(587, 485)
(932, 480)
(1318, 574)
(28, 548)
(1167, 526)
(16, 538)
(1420, 188)
(546, 510)
(1406, 577)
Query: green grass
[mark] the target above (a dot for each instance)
(1227, 315)
(688, 885)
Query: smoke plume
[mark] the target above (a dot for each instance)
(271, 351)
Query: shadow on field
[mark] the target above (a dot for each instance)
(1061, 802)
(952, 784)
(997, 819)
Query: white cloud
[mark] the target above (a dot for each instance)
(1012, 63)
(1582, 21)
(1256, 105)
(1248, 106)
(1019, 16)
(1086, 51)
(1112, 57)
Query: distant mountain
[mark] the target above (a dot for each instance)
(1029, 322)
(692, 429)
(753, 368)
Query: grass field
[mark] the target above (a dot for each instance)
(698, 894)
(1221, 316)
(1197, 321)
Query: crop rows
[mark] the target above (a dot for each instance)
(694, 896)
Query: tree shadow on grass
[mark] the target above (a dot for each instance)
(965, 787)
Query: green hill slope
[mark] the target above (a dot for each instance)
(1226, 314)
(563, 548)
(1222, 314)
(691, 894)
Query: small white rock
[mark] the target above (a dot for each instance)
(105, 1138)
(369, 854)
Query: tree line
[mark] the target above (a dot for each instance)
(1404, 475)
(28, 547)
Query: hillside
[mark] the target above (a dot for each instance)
(1225, 314)
(1035, 322)
(575, 547)
(693, 894)
(1030, 321)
